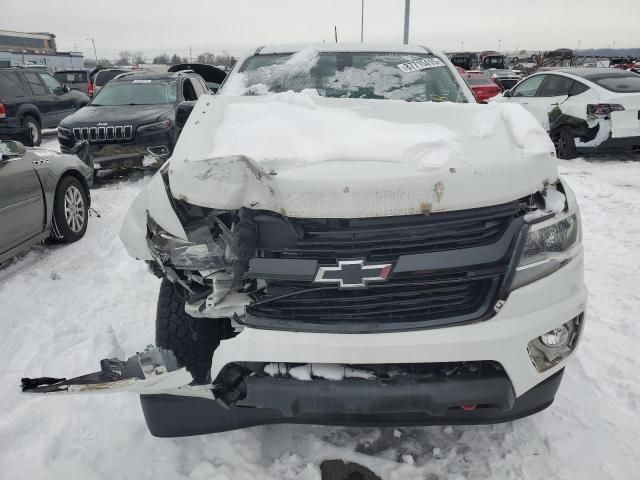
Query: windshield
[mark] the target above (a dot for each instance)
(102, 77)
(136, 92)
(397, 76)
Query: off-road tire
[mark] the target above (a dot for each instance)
(69, 192)
(565, 144)
(33, 134)
(192, 340)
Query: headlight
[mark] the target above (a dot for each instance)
(154, 127)
(548, 248)
(200, 252)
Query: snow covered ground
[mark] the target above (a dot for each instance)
(63, 308)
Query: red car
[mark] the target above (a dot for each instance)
(482, 86)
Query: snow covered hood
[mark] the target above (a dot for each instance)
(308, 156)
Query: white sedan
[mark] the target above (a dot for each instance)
(583, 108)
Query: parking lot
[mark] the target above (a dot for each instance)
(64, 307)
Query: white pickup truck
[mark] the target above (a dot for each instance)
(346, 237)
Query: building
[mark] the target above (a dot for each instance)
(26, 48)
(18, 42)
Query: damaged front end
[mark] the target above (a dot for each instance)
(257, 268)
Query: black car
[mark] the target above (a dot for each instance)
(132, 117)
(31, 101)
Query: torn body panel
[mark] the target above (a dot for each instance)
(154, 370)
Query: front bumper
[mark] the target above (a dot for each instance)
(124, 155)
(528, 312)
(347, 403)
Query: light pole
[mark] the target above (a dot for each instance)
(407, 6)
(462, 45)
(579, 43)
(499, 42)
(362, 22)
(94, 49)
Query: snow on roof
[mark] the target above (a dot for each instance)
(344, 47)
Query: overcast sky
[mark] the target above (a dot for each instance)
(154, 26)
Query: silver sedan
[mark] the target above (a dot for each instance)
(42, 194)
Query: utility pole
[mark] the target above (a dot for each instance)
(95, 53)
(94, 48)
(407, 6)
(362, 22)
(335, 32)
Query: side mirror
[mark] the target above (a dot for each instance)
(182, 113)
(12, 148)
(65, 89)
(506, 93)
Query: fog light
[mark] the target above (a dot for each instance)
(554, 346)
(556, 338)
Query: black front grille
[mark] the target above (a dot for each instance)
(447, 269)
(393, 305)
(385, 238)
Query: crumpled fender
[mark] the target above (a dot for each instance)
(238, 180)
(154, 200)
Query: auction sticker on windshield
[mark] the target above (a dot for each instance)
(418, 65)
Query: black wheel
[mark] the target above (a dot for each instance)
(565, 144)
(33, 134)
(192, 340)
(70, 210)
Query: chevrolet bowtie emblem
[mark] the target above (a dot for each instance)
(353, 273)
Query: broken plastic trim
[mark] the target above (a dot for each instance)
(200, 252)
(153, 370)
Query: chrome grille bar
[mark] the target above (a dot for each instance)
(104, 134)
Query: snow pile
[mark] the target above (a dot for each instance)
(554, 201)
(523, 127)
(288, 129)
